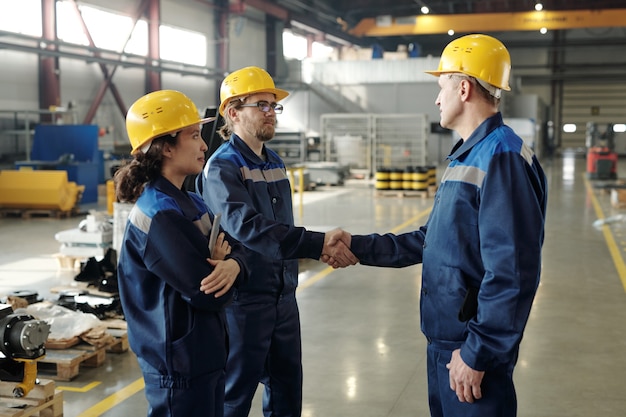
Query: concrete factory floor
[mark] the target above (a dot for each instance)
(364, 355)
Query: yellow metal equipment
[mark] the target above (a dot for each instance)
(111, 198)
(38, 189)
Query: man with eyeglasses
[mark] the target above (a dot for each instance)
(247, 183)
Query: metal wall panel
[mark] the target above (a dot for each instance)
(597, 103)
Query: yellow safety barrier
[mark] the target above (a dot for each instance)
(38, 189)
(290, 173)
(111, 197)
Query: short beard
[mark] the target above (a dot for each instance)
(266, 133)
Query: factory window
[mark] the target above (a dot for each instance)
(296, 47)
(101, 22)
(183, 46)
(21, 17)
(321, 51)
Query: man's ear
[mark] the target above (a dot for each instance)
(232, 112)
(465, 88)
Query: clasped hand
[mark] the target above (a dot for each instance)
(224, 271)
(336, 251)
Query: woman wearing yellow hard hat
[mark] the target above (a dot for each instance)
(172, 294)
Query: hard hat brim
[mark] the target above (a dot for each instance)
(207, 120)
(435, 73)
(438, 73)
(200, 122)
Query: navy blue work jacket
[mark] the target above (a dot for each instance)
(485, 231)
(254, 197)
(173, 326)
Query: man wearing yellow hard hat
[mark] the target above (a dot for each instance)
(481, 246)
(172, 296)
(247, 182)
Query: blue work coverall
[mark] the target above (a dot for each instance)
(254, 197)
(178, 333)
(483, 238)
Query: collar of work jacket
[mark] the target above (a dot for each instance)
(477, 135)
(248, 154)
(182, 198)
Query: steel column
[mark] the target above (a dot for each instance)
(108, 75)
(153, 78)
(222, 58)
(49, 73)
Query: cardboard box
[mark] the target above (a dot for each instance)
(618, 198)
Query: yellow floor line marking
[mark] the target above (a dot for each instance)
(325, 272)
(618, 260)
(86, 388)
(113, 400)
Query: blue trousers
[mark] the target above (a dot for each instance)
(498, 393)
(168, 396)
(265, 347)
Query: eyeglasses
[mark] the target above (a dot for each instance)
(265, 107)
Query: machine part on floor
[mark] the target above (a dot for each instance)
(38, 189)
(601, 155)
(28, 295)
(22, 342)
(99, 305)
(29, 380)
(101, 274)
(326, 173)
(90, 271)
(21, 335)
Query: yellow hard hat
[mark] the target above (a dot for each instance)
(480, 56)
(159, 113)
(246, 81)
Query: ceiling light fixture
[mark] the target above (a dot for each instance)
(538, 6)
(424, 8)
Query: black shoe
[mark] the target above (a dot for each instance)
(90, 271)
(108, 283)
(109, 262)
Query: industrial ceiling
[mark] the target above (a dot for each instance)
(389, 23)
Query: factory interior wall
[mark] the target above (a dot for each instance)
(246, 46)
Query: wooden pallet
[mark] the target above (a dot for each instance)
(430, 192)
(29, 213)
(68, 262)
(42, 401)
(120, 344)
(64, 364)
(81, 286)
(62, 343)
(402, 193)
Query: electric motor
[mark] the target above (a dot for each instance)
(21, 335)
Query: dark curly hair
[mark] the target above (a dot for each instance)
(131, 178)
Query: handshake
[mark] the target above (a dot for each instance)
(336, 251)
